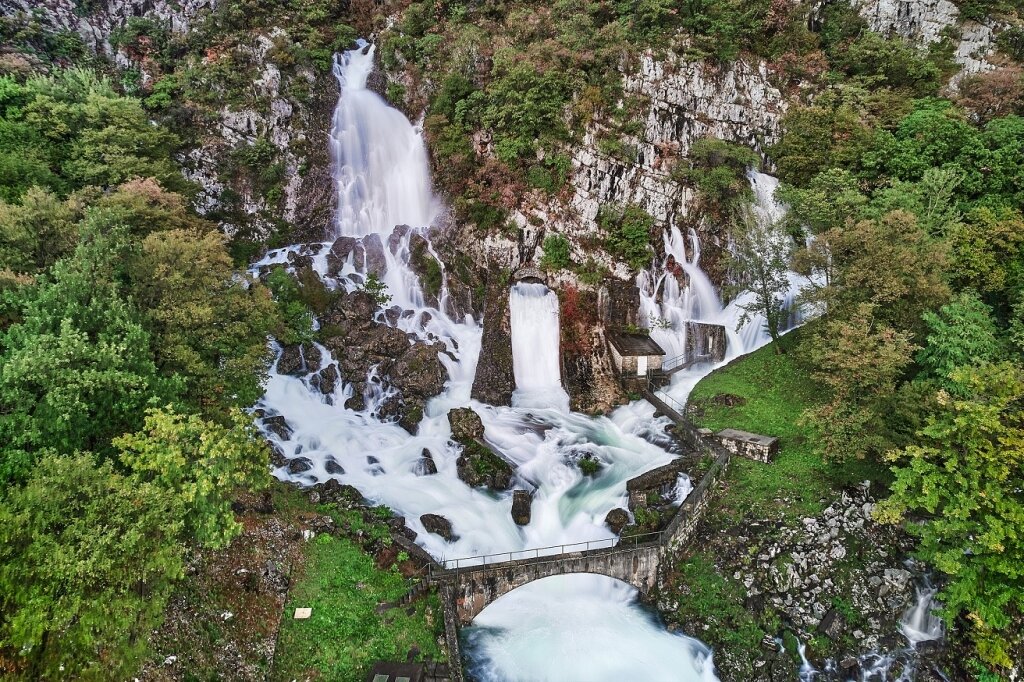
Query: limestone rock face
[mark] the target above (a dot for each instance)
(925, 21)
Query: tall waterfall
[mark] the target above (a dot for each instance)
(381, 167)
(533, 310)
(383, 180)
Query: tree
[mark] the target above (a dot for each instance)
(964, 475)
(37, 232)
(962, 334)
(77, 369)
(206, 324)
(201, 464)
(860, 360)
(87, 560)
(759, 259)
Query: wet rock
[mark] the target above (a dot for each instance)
(367, 254)
(617, 519)
(478, 466)
(332, 467)
(494, 379)
(466, 424)
(426, 465)
(438, 525)
(419, 372)
(299, 465)
(278, 426)
(326, 380)
(298, 360)
(522, 502)
(331, 491)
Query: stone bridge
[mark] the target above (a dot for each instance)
(475, 587)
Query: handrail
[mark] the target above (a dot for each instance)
(484, 561)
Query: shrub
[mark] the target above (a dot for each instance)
(556, 253)
(629, 233)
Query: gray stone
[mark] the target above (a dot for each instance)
(522, 503)
(617, 519)
(438, 525)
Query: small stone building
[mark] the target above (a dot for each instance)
(750, 445)
(634, 355)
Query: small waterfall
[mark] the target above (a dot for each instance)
(919, 623)
(536, 359)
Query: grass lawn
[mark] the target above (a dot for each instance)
(348, 629)
(776, 390)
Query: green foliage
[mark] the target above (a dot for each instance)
(893, 63)
(718, 170)
(629, 233)
(201, 464)
(962, 334)
(77, 369)
(860, 360)
(964, 476)
(524, 109)
(377, 289)
(71, 129)
(87, 560)
(759, 260)
(347, 632)
(556, 252)
(776, 391)
(296, 324)
(206, 324)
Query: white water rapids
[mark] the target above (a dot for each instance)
(579, 627)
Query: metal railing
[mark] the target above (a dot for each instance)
(544, 555)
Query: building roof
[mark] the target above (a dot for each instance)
(634, 344)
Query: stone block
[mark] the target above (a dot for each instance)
(750, 445)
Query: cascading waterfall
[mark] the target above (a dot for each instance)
(383, 180)
(919, 623)
(533, 312)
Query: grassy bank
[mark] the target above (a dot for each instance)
(767, 393)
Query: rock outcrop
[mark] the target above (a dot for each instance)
(438, 525)
(495, 380)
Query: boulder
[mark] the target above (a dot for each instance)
(426, 466)
(479, 467)
(466, 424)
(299, 465)
(832, 625)
(522, 502)
(278, 426)
(438, 525)
(332, 467)
(617, 519)
(326, 380)
(419, 372)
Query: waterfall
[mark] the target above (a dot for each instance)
(919, 623)
(383, 181)
(381, 168)
(533, 310)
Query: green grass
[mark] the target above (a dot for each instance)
(777, 390)
(346, 633)
(715, 603)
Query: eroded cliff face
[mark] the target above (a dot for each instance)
(95, 22)
(929, 21)
(288, 106)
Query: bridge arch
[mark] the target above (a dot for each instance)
(476, 588)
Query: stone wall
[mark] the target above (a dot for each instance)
(750, 445)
